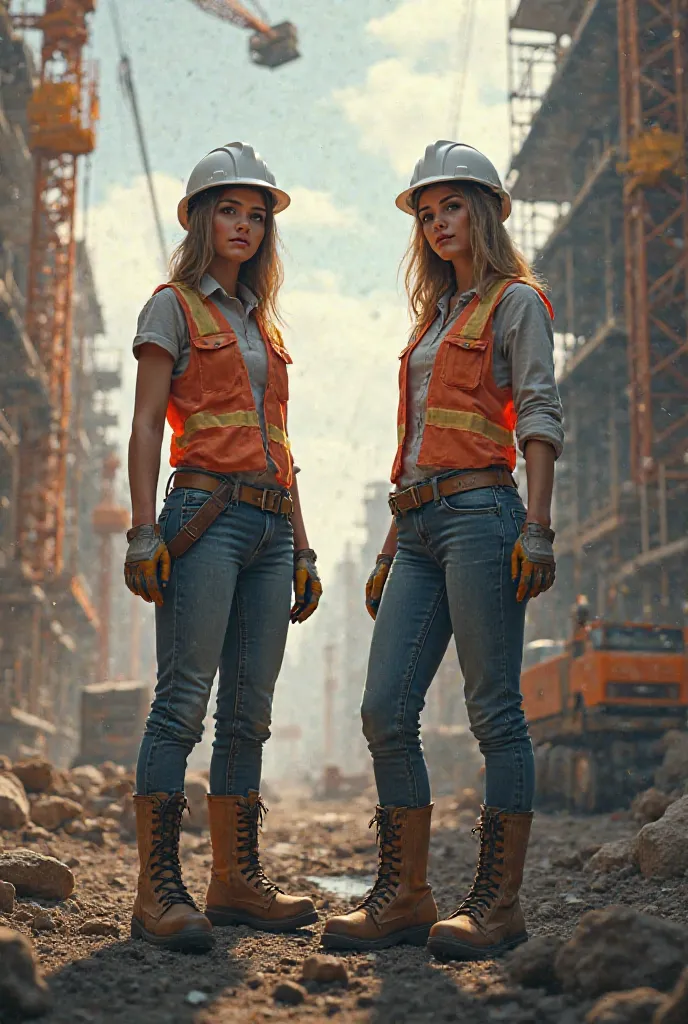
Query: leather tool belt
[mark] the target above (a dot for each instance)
(276, 502)
(413, 497)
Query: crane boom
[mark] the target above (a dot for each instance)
(231, 10)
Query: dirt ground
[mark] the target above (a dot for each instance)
(114, 979)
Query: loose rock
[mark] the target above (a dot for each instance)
(88, 777)
(94, 926)
(22, 989)
(661, 848)
(635, 1007)
(675, 1010)
(52, 812)
(34, 874)
(36, 775)
(532, 964)
(7, 894)
(618, 949)
(43, 922)
(673, 772)
(14, 804)
(324, 969)
(611, 857)
(289, 992)
(650, 805)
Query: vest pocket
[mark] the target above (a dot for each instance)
(218, 360)
(463, 362)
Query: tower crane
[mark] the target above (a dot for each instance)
(62, 114)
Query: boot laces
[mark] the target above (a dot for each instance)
(388, 837)
(488, 876)
(250, 821)
(167, 871)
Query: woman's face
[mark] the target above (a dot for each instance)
(443, 214)
(239, 223)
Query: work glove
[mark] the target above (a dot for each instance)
(147, 564)
(532, 561)
(307, 585)
(376, 583)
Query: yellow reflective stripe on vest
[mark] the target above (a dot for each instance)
(401, 432)
(473, 423)
(207, 420)
(474, 328)
(279, 436)
(206, 324)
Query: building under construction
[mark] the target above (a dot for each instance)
(55, 416)
(598, 100)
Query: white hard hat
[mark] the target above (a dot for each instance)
(234, 164)
(453, 161)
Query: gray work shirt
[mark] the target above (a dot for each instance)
(162, 322)
(522, 358)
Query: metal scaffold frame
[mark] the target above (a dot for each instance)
(652, 77)
(616, 259)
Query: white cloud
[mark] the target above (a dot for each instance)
(311, 208)
(417, 25)
(406, 102)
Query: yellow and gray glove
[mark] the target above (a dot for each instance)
(376, 583)
(147, 564)
(307, 585)
(532, 561)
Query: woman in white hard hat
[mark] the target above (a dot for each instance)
(463, 554)
(220, 560)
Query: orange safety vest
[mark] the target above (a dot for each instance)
(469, 421)
(211, 409)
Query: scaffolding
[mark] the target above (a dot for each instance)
(598, 176)
(55, 420)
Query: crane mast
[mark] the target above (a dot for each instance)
(62, 114)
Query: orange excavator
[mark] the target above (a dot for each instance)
(598, 706)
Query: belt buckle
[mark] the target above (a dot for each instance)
(415, 496)
(270, 505)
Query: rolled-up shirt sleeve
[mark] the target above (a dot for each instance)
(525, 342)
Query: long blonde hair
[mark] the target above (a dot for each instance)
(263, 273)
(427, 276)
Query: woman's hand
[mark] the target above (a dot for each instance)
(307, 585)
(532, 561)
(376, 583)
(147, 564)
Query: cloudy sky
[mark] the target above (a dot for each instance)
(341, 129)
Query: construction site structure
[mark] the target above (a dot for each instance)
(55, 384)
(598, 100)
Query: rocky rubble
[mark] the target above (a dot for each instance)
(23, 992)
(618, 949)
(661, 847)
(14, 805)
(608, 943)
(34, 874)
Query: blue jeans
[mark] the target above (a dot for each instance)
(451, 574)
(226, 607)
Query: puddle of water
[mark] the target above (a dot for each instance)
(343, 885)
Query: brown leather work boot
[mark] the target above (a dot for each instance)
(400, 907)
(490, 921)
(164, 912)
(240, 892)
